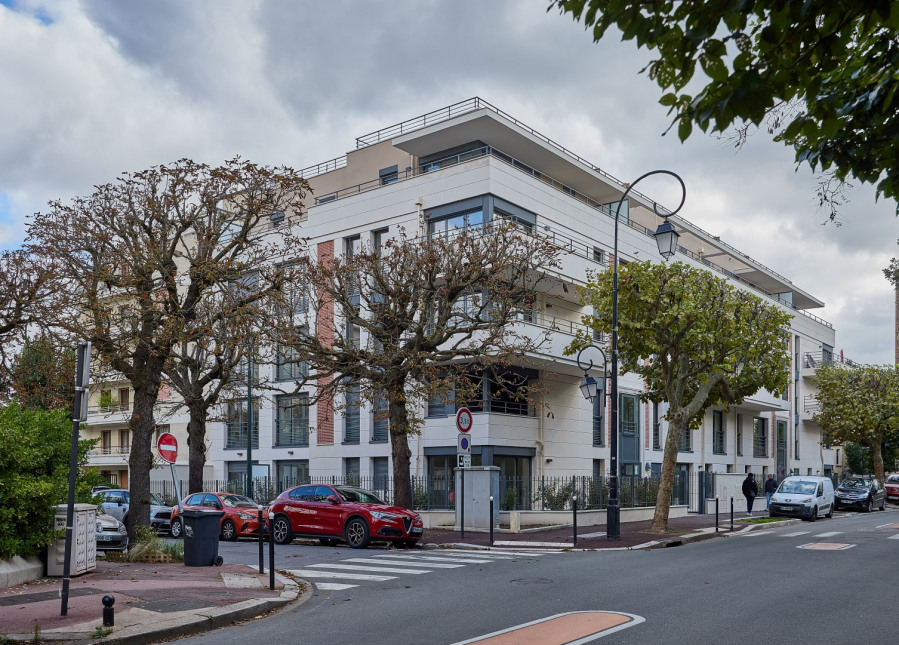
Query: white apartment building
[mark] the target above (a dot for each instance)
(460, 166)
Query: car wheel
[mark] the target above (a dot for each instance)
(814, 515)
(869, 506)
(177, 531)
(883, 503)
(356, 533)
(229, 531)
(829, 513)
(327, 541)
(281, 530)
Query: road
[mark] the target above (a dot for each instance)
(832, 581)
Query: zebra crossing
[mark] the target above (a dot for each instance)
(382, 567)
(813, 535)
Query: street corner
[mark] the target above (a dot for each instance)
(569, 627)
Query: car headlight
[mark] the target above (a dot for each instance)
(245, 516)
(99, 527)
(381, 515)
(807, 500)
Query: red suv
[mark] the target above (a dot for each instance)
(332, 513)
(240, 518)
(892, 488)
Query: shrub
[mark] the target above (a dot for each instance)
(35, 449)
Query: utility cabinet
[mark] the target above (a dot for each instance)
(84, 541)
(480, 483)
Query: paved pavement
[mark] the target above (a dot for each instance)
(158, 601)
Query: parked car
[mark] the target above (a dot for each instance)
(862, 493)
(803, 497)
(240, 519)
(891, 486)
(116, 502)
(333, 513)
(111, 533)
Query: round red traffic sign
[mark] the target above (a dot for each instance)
(167, 446)
(463, 419)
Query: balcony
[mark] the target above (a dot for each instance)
(109, 456)
(111, 413)
(810, 362)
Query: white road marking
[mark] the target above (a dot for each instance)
(592, 535)
(310, 573)
(894, 537)
(828, 534)
(357, 567)
(427, 559)
(332, 586)
(400, 563)
(795, 534)
(522, 543)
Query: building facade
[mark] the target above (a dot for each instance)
(462, 166)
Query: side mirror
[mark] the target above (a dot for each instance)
(333, 499)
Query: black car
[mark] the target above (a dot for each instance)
(861, 493)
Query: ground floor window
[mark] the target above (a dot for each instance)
(292, 473)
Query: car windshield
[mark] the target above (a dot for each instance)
(797, 487)
(357, 495)
(238, 501)
(850, 484)
(155, 499)
(893, 479)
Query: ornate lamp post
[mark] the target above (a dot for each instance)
(666, 238)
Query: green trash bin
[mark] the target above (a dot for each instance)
(201, 537)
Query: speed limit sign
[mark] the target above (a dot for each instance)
(463, 419)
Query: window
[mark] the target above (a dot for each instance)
(389, 175)
(739, 435)
(296, 302)
(378, 239)
(124, 441)
(292, 420)
(507, 391)
(380, 475)
(293, 472)
(442, 405)
(656, 428)
(351, 416)
(351, 471)
(719, 446)
(236, 424)
(289, 367)
(352, 246)
(759, 437)
(598, 434)
(380, 423)
(446, 225)
(630, 414)
(599, 255)
(685, 443)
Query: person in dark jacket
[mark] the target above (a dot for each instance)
(750, 490)
(770, 489)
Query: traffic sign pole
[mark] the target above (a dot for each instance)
(167, 446)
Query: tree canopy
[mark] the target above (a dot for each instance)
(708, 344)
(825, 70)
(417, 318)
(860, 405)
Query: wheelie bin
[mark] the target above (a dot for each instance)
(201, 537)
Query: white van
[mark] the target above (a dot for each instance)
(803, 497)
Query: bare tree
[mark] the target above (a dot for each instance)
(419, 318)
(139, 255)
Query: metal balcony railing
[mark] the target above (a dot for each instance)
(814, 360)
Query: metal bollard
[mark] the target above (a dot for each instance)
(491, 520)
(271, 557)
(731, 514)
(574, 510)
(108, 611)
(261, 551)
(716, 515)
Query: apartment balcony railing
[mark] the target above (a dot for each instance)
(236, 435)
(114, 451)
(814, 360)
(109, 408)
(810, 404)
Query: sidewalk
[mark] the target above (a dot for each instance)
(152, 602)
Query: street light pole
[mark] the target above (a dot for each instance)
(666, 231)
(250, 420)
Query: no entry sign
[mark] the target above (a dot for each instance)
(167, 446)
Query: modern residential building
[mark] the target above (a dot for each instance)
(461, 166)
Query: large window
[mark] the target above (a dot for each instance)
(380, 423)
(289, 366)
(656, 428)
(684, 443)
(630, 414)
(719, 445)
(293, 472)
(598, 430)
(759, 437)
(351, 416)
(456, 221)
(293, 420)
(236, 424)
(443, 220)
(739, 440)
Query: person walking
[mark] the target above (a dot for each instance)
(770, 489)
(750, 490)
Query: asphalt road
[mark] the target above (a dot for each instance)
(779, 585)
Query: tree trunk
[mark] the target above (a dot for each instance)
(196, 442)
(877, 456)
(142, 426)
(666, 484)
(399, 442)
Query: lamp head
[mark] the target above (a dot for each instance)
(589, 387)
(666, 239)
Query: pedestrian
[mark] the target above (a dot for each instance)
(770, 489)
(750, 490)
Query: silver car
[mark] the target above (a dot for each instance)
(111, 533)
(116, 502)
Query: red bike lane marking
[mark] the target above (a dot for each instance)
(570, 628)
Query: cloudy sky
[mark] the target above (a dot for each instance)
(92, 88)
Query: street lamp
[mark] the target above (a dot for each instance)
(666, 238)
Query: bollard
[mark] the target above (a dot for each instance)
(491, 520)
(462, 502)
(108, 611)
(271, 559)
(731, 514)
(261, 547)
(574, 510)
(716, 515)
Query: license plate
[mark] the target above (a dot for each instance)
(416, 530)
(105, 538)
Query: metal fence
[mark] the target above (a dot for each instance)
(515, 493)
